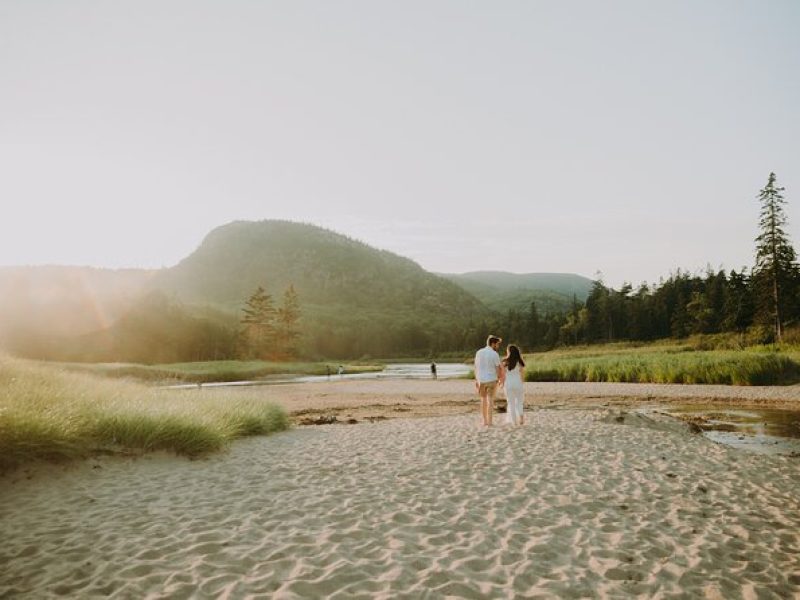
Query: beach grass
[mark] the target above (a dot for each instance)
(666, 363)
(214, 371)
(54, 414)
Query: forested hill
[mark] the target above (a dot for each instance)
(355, 301)
(552, 292)
(326, 269)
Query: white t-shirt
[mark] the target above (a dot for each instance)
(486, 362)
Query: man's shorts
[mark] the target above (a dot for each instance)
(487, 388)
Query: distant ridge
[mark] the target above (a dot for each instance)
(553, 292)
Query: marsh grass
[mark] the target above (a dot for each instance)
(50, 413)
(666, 364)
(212, 371)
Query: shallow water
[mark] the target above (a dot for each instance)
(762, 430)
(393, 371)
(400, 371)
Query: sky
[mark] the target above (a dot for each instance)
(622, 137)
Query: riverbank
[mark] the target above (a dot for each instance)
(668, 363)
(212, 371)
(387, 399)
(52, 414)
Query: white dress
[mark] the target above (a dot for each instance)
(515, 395)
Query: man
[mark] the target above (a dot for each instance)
(487, 375)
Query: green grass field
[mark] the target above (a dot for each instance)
(667, 362)
(209, 371)
(50, 413)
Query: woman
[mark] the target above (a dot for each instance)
(514, 368)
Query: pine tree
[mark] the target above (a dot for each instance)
(288, 317)
(775, 275)
(738, 307)
(600, 326)
(259, 323)
(533, 325)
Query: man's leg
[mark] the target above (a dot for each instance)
(490, 405)
(483, 392)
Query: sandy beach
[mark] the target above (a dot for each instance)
(585, 501)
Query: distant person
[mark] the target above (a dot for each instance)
(328, 369)
(514, 375)
(488, 371)
(433, 370)
(341, 370)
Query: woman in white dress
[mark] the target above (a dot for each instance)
(514, 368)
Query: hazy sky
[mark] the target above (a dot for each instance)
(629, 137)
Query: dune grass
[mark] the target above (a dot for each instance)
(664, 363)
(50, 413)
(213, 371)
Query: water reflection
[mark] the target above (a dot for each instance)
(764, 430)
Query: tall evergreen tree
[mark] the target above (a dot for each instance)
(738, 307)
(288, 318)
(259, 323)
(775, 274)
(640, 320)
(533, 325)
(600, 326)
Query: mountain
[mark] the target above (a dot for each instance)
(502, 291)
(326, 268)
(356, 300)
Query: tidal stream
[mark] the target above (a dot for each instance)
(762, 430)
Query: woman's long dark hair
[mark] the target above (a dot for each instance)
(513, 357)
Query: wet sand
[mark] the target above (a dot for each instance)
(423, 398)
(584, 501)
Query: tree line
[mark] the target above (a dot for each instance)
(758, 303)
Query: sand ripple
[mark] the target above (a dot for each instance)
(571, 506)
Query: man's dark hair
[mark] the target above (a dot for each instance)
(493, 339)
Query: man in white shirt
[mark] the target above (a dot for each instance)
(487, 375)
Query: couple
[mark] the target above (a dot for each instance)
(490, 372)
